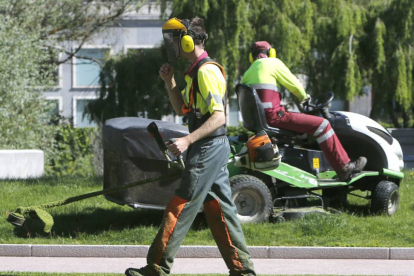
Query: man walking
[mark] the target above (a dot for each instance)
(205, 178)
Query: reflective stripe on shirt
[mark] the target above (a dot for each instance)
(217, 98)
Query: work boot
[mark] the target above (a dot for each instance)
(136, 272)
(345, 173)
(147, 270)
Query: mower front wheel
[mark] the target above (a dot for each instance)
(252, 198)
(385, 198)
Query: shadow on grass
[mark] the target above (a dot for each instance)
(358, 210)
(349, 208)
(99, 220)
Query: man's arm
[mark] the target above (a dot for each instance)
(175, 97)
(167, 74)
(216, 120)
(290, 81)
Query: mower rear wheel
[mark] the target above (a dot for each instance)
(385, 198)
(252, 198)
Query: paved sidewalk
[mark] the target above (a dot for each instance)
(211, 265)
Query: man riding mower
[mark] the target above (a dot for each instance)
(304, 168)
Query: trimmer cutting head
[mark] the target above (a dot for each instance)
(43, 218)
(16, 219)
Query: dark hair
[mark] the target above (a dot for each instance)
(197, 28)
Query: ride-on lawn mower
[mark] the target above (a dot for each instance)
(304, 169)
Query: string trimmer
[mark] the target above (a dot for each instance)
(17, 217)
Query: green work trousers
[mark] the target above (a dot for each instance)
(205, 182)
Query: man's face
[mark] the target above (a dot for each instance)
(171, 40)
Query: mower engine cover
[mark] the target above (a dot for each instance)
(259, 153)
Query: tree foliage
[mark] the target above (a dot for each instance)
(23, 113)
(391, 36)
(131, 84)
(333, 62)
(74, 151)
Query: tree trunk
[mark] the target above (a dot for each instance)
(373, 114)
(406, 119)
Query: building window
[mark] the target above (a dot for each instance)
(87, 65)
(79, 118)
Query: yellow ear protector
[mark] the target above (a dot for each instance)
(251, 57)
(187, 43)
(187, 40)
(270, 53)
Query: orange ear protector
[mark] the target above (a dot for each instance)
(271, 52)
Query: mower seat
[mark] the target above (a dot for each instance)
(253, 114)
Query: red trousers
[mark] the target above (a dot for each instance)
(312, 125)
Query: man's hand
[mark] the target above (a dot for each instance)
(179, 146)
(167, 72)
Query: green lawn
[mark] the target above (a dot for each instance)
(98, 221)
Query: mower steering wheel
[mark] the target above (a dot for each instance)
(318, 103)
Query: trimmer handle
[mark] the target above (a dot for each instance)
(153, 129)
(179, 157)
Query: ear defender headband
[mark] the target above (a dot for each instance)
(187, 40)
(271, 52)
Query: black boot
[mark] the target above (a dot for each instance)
(345, 173)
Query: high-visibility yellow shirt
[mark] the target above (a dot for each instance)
(274, 72)
(212, 86)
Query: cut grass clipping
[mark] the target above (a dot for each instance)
(98, 221)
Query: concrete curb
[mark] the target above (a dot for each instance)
(257, 252)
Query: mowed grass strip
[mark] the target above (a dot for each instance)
(97, 221)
